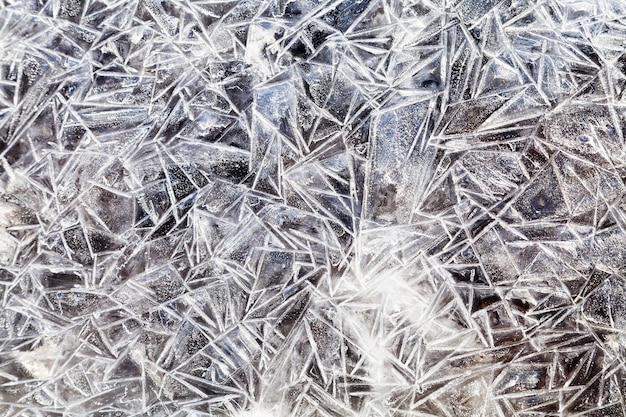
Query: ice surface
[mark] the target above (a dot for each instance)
(308, 208)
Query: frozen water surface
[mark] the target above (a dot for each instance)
(265, 208)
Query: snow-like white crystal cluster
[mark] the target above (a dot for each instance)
(285, 208)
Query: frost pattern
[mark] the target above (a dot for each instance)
(308, 208)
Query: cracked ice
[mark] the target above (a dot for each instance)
(312, 208)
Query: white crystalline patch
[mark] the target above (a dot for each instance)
(7, 248)
(43, 362)
(10, 218)
(38, 363)
(256, 412)
(261, 46)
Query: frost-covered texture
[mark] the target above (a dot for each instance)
(304, 208)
